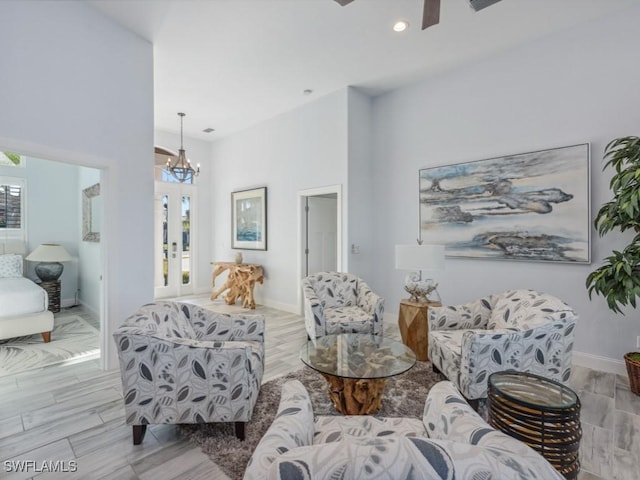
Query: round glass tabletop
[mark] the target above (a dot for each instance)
(533, 390)
(353, 355)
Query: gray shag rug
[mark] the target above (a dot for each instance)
(404, 396)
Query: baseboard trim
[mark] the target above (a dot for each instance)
(596, 362)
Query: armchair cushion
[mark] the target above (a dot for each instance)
(336, 428)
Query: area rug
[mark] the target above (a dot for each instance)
(404, 396)
(72, 340)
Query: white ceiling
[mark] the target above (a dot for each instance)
(230, 64)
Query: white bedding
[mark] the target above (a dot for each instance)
(19, 296)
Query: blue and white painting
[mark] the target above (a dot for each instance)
(529, 206)
(249, 219)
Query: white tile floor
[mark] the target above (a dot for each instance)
(75, 413)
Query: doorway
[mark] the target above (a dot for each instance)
(174, 250)
(320, 231)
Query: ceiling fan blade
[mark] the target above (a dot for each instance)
(344, 2)
(431, 13)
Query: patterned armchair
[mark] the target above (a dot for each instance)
(521, 330)
(340, 303)
(181, 363)
(450, 441)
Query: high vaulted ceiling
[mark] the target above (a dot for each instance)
(230, 64)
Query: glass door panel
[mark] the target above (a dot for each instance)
(186, 240)
(174, 250)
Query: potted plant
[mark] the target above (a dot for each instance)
(618, 279)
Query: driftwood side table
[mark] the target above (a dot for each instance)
(240, 282)
(414, 328)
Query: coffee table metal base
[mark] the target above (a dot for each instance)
(352, 396)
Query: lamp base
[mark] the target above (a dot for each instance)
(421, 291)
(49, 271)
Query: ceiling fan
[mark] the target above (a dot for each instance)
(431, 11)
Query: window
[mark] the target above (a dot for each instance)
(162, 174)
(11, 159)
(12, 208)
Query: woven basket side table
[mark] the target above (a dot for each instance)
(540, 412)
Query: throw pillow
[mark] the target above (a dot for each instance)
(10, 266)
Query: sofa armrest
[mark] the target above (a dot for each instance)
(448, 416)
(372, 303)
(461, 317)
(292, 428)
(544, 350)
(313, 311)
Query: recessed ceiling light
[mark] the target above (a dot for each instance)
(400, 26)
(208, 130)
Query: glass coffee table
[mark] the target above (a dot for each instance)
(357, 366)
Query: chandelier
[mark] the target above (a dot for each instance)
(180, 167)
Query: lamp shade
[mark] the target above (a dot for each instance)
(49, 252)
(420, 257)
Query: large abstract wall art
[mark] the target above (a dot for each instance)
(529, 206)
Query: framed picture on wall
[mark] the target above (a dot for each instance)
(529, 206)
(249, 219)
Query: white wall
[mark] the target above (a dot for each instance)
(51, 211)
(77, 88)
(363, 223)
(298, 150)
(89, 253)
(198, 151)
(574, 87)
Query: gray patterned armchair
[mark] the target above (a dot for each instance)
(450, 441)
(521, 330)
(340, 303)
(181, 363)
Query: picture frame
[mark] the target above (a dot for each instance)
(249, 219)
(91, 213)
(531, 206)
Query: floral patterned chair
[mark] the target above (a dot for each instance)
(521, 330)
(340, 303)
(450, 441)
(181, 363)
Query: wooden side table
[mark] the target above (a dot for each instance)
(414, 328)
(240, 282)
(53, 290)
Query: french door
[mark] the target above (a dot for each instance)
(174, 250)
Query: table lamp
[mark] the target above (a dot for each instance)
(417, 258)
(49, 255)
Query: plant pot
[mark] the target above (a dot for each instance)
(633, 370)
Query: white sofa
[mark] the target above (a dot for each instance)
(450, 441)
